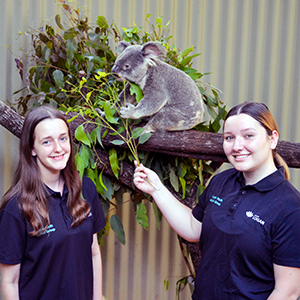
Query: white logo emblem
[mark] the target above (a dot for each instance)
(249, 214)
(255, 218)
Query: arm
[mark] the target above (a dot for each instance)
(178, 215)
(287, 283)
(10, 275)
(97, 269)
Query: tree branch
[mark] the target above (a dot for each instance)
(190, 143)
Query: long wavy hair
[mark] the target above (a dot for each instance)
(261, 113)
(27, 185)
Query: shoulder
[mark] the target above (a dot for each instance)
(87, 182)
(289, 197)
(225, 176)
(12, 216)
(13, 207)
(281, 190)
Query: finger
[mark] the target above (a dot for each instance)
(139, 174)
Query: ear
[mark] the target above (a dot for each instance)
(153, 50)
(274, 139)
(33, 152)
(122, 46)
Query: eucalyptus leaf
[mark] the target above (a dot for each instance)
(109, 113)
(183, 185)
(58, 76)
(99, 130)
(157, 214)
(117, 226)
(101, 180)
(186, 51)
(118, 142)
(79, 165)
(94, 36)
(141, 216)
(188, 59)
(81, 136)
(58, 21)
(102, 22)
(71, 49)
(114, 163)
(174, 180)
(137, 132)
(135, 89)
(84, 155)
(144, 137)
(109, 190)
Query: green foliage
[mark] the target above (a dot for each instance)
(70, 68)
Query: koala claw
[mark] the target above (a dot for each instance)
(100, 112)
(126, 112)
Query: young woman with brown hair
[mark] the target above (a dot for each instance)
(247, 219)
(49, 219)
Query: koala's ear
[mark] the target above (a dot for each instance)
(155, 49)
(122, 46)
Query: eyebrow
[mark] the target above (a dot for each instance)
(50, 137)
(244, 130)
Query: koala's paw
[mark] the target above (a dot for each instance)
(127, 111)
(100, 112)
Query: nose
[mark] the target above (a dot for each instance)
(56, 146)
(238, 144)
(115, 69)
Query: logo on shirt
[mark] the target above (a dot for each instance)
(255, 218)
(216, 200)
(49, 229)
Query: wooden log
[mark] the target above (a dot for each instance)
(190, 143)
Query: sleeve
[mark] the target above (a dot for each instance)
(12, 238)
(91, 195)
(286, 241)
(198, 211)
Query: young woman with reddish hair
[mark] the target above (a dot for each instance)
(247, 220)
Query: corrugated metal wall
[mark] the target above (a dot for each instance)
(251, 48)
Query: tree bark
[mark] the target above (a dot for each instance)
(194, 144)
(191, 143)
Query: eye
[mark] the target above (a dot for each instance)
(127, 66)
(249, 136)
(228, 138)
(63, 139)
(46, 142)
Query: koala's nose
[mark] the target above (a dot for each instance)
(115, 69)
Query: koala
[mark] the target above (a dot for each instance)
(171, 99)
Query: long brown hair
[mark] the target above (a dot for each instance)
(28, 186)
(261, 113)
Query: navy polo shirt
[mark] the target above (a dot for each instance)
(58, 264)
(245, 229)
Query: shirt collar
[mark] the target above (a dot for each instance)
(268, 183)
(51, 193)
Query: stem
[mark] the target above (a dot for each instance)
(186, 260)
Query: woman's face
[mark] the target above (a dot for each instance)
(249, 148)
(51, 146)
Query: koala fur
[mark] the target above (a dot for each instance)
(171, 99)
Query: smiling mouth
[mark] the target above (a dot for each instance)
(240, 156)
(58, 157)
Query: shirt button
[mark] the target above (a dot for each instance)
(243, 192)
